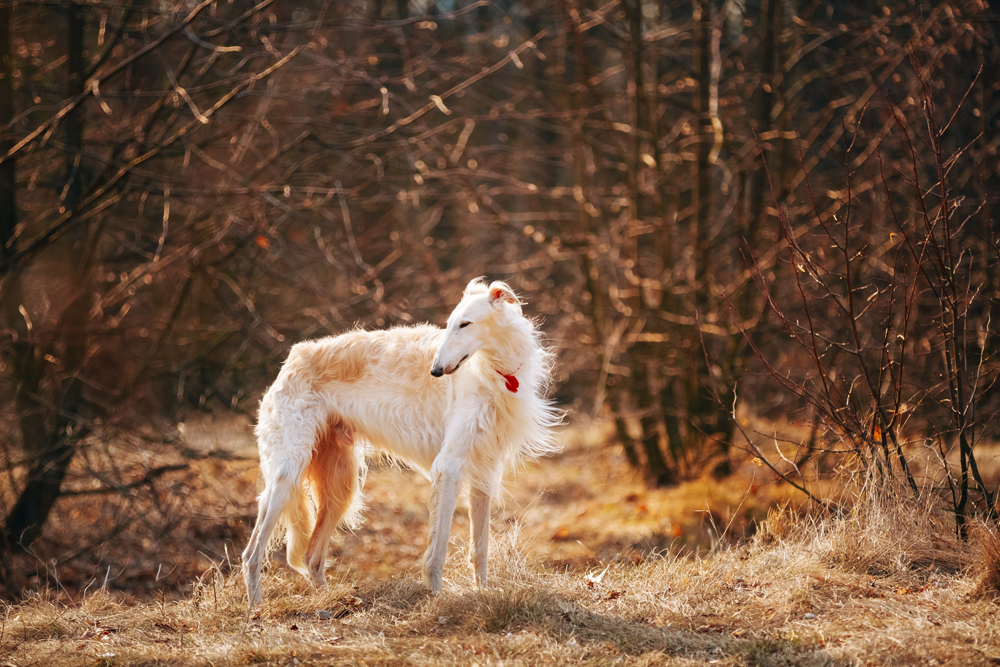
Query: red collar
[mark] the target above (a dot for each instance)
(512, 383)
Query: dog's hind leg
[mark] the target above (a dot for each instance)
(479, 514)
(333, 475)
(287, 425)
(276, 495)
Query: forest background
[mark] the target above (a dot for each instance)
(747, 227)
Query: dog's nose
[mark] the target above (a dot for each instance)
(437, 371)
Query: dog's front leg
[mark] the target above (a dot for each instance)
(479, 513)
(445, 479)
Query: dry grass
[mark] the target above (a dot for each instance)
(782, 603)
(987, 567)
(885, 536)
(886, 585)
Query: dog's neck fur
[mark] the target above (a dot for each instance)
(510, 352)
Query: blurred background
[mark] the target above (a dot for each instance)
(758, 230)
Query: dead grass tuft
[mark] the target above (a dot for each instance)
(518, 596)
(987, 565)
(777, 525)
(887, 534)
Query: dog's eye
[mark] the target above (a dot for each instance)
(464, 324)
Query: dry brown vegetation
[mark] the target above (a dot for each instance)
(588, 567)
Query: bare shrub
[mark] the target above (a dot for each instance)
(880, 290)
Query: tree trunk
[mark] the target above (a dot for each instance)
(702, 200)
(49, 434)
(765, 106)
(8, 168)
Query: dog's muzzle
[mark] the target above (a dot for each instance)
(438, 371)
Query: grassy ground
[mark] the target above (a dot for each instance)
(587, 567)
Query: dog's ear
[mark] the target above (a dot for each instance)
(501, 293)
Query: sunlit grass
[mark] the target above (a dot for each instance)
(886, 583)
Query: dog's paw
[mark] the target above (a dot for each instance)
(432, 578)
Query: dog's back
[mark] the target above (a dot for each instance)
(377, 383)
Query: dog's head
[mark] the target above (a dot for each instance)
(471, 324)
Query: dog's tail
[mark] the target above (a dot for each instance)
(298, 520)
(330, 495)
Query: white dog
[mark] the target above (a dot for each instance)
(398, 391)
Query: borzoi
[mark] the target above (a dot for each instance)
(398, 391)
